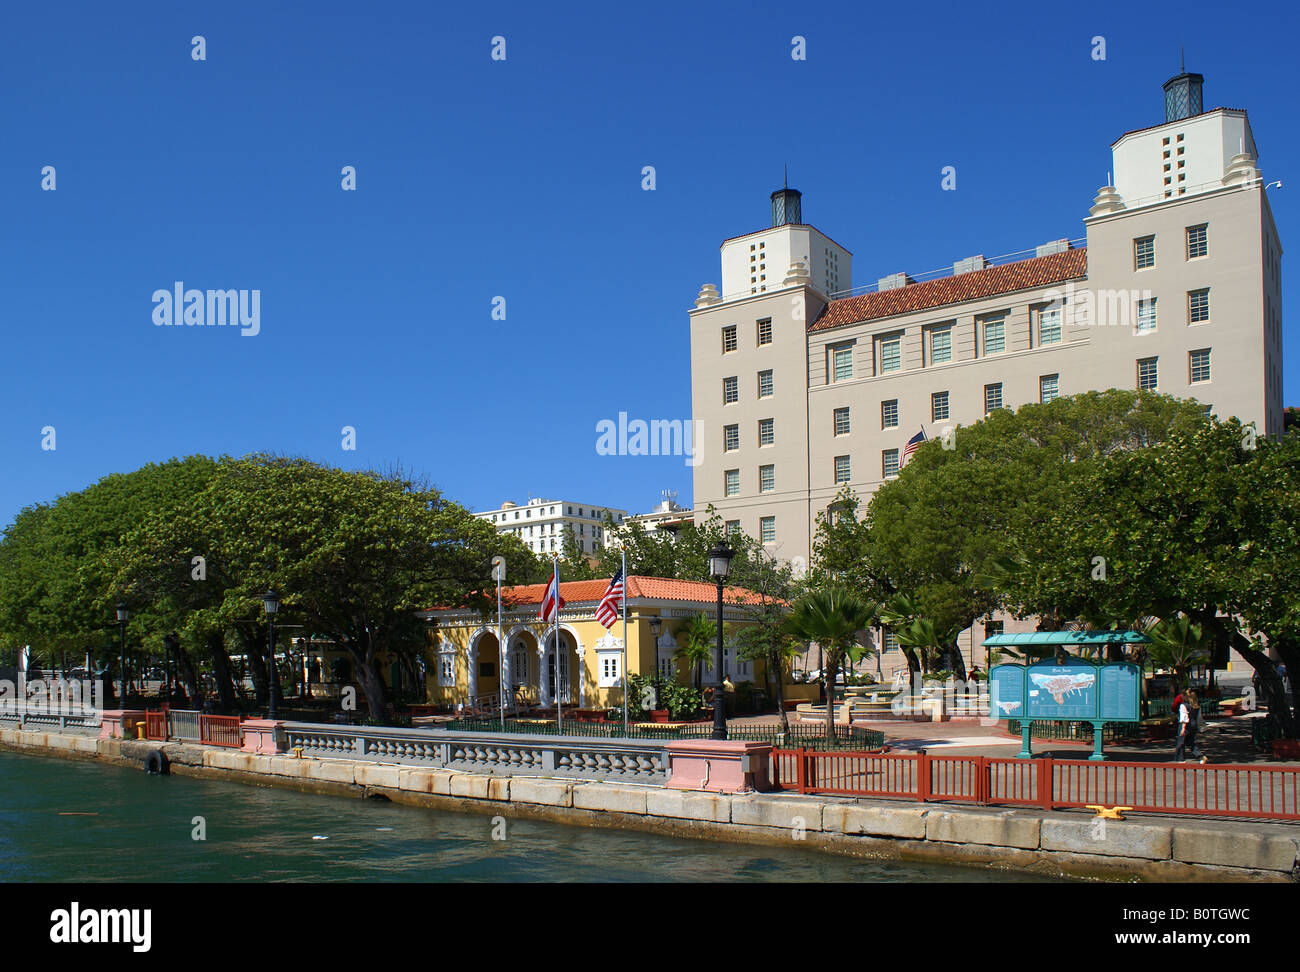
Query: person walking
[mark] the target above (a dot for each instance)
(1189, 724)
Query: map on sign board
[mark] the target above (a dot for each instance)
(1006, 691)
(1062, 692)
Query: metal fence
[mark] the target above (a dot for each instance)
(1265, 792)
(183, 724)
(215, 730)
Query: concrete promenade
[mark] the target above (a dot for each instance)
(1061, 843)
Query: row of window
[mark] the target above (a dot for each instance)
(937, 344)
(1198, 370)
(764, 335)
(1196, 244)
(550, 511)
(731, 387)
(731, 435)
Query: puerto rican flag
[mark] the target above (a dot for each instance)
(552, 602)
(612, 602)
(913, 444)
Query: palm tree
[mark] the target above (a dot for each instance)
(701, 635)
(903, 617)
(1179, 643)
(833, 616)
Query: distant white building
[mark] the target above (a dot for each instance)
(540, 523)
(668, 516)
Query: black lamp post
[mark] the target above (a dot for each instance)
(123, 613)
(719, 563)
(271, 601)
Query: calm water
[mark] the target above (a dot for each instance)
(141, 830)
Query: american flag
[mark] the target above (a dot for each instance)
(913, 444)
(607, 610)
(552, 602)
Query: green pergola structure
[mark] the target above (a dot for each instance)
(1047, 643)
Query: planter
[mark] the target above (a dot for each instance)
(658, 715)
(1286, 749)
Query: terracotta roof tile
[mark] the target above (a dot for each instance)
(1004, 279)
(650, 588)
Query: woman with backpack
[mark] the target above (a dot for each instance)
(1189, 724)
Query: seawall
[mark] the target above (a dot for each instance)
(1073, 844)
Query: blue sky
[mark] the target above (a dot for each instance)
(518, 178)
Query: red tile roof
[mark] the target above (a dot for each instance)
(1004, 279)
(651, 588)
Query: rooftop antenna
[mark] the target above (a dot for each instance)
(786, 169)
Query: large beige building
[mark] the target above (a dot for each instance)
(805, 384)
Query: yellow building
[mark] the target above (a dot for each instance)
(469, 665)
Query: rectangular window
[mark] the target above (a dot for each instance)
(1147, 379)
(729, 338)
(1146, 319)
(446, 670)
(889, 414)
(841, 469)
(765, 386)
(841, 421)
(938, 406)
(1144, 252)
(891, 640)
(766, 432)
(730, 391)
(767, 529)
(940, 345)
(995, 338)
(1049, 325)
(1199, 365)
(1048, 388)
(891, 354)
(992, 397)
(992, 628)
(841, 362)
(766, 479)
(1198, 306)
(765, 331)
(733, 527)
(889, 463)
(730, 438)
(731, 480)
(1198, 241)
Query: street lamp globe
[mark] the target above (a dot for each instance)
(271, 601)
(123, 612)
(720, 561)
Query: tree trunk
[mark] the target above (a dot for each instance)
(222, 671)
(780, 693)
(255, 656)
(828, 677)
(185, 672)
(371, 679)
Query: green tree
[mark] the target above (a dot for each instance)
(833, 616)
(1178, 643)
(923, 643)
(763, 634)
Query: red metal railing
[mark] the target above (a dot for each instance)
(215, 730)
(1271, 792)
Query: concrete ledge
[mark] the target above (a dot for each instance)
(1242, 848)
(1108, 838)
(550, 793)
(370, 774)
(478, 787)
(901, 822)
(609, 797)
(332, 770)
(1000, 828)
(782, 812)
(688, 805)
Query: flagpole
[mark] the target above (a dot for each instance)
(559, 714)
(626, 728)
(501, 649)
